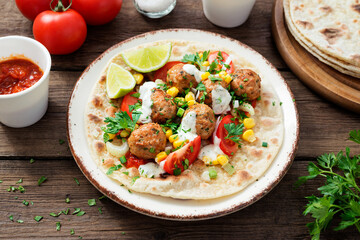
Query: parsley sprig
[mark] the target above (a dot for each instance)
(234, 132)
(196, 59)
(340, 193)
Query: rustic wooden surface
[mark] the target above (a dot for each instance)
(339, 88)
(323, 128)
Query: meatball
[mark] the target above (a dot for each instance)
(177, 77)
(246, 81)
(163, 107)
(210, 85)
(147, 141)
(205, 120)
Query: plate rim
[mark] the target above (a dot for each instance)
(194, 217)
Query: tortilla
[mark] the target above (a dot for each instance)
(329, 30)
(250, 162)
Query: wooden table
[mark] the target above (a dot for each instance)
(324, 128)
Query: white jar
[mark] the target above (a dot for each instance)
(227, 13)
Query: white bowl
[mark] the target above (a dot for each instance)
(25, 108)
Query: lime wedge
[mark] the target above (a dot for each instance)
(119, 81)
(148, 59)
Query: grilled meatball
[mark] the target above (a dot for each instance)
(163, 107)
(246, 81)
(205, 120)
(147, 141)
(177, 77)
(210, 85)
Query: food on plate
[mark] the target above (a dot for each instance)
(185, 130)
(61, 31)
(329, 30)
(18, 74)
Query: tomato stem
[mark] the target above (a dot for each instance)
(60, 6)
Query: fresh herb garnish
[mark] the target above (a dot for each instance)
(114, 168)
(38, 218)
(126, 173)
(32, 160)
(100, 210)
(20, 181)
(152, 150)
(177, 171)
(264, 144)
(340, 193)
(213, 79)
(61, 141)
(72, 232)
(92, 202)
(41, 180)
(77, 181)
(134, 107)
(133, 180)
(195, 59)
(172, 125)
(67, 200)
(26, 203)
(234, 132)
(58, 226)
(136, 95)
(123, 159)
(80, 213)
(212, 173)
(201, 87)
(20, 221)
(11, 217)
(54, 214)
(77, 210)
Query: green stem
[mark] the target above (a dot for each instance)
(60, 6)
(357, 225)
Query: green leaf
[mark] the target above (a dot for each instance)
(314, 230)
(77, 210)
(41, 180)
(77, 181)
(354, 136)
(91, 202)
(38, 218)
(58, 226)
(114, 168)
(327, 161)
(80, 213)
(72, 232)
(355, 207)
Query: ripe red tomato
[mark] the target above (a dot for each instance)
(228, 146)
(60, 32)
(97, 12)
(176, 160)
(128, 100)
(31, 8)
(162, 72)
(133, 161)
(224, 56)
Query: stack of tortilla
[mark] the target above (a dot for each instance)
(328, 29)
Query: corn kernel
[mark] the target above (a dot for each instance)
(206, 64)
(200, 55)
(249, 136)
(205, 75)
(222, 74)
(173, 138)
(249, 123)
(191, 102)
(173, 91)
(124, 134)
(160, 157)
(222, 159)
(177, 143)
(206, 160)
(228, 78)
(138, 78)
(189, 96)
(111, 136)
(168, 133)
(214, 162)
(136, 126)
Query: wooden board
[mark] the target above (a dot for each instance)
(339, 88)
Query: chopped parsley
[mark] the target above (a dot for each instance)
(76, 211)
(191, 149)
(136, 95)
(102, 197)
(61, 141)
(92, 202)
(195, 58)
(177, 171)
(58, 226)
(72, 232)
(80, 213)
(126, 173)
(38, 218)
(133, 180)
(26, 203)
(32, 160)
(100, 210)
(67, 200)
(20, 221)
(41, 180)
(264, 144)
(77, 181)
(114, 168)
(123, 159)
(201, 87)
(213, 79)
(234, 132)
(152, 150)
(20, 181)
(185, 163)
(11, 217)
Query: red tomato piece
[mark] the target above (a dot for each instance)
(133, 161)
(31, 8)
(176, 160)
(224, 55)
(162, 72)
(253, 103)
(127, 101)
(97, 12)
(228, 146)
(60, 32)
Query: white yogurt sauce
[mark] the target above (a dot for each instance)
(145, 96)
(212, 150)
(221, 99)
(227, 62)
(187, 129)
(150, 170)
(192, 70)
(154, 5)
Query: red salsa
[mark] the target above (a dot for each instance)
(18, 74)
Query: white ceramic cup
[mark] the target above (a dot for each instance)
(227, 13)
(25, 108)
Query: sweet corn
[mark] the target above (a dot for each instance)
(249, 136)
(206, 160)
(138, 78)
(173, 91)
(168, 133)
(191, 102)
(173, 138)
(228, 78)
(222, 74)
(206, 64)
(177, 143)
(136, 126)
(161, 156)
(205, 75)
(200, 55)
(189, 96)
(124, 134)
(111, 136)
(249, 123)
(222, 159)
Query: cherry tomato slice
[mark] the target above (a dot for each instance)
(133, 161)
(190, 152)
(225, 56)
(128, 100)
(162, 72)
(228, 146)
(253, 103)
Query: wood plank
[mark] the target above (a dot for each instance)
(277, 216)
(187, 14)
(323, 126)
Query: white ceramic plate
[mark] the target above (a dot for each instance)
(169, 208)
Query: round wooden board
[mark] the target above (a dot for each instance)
(339, 88)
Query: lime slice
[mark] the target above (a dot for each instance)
(148, 59)
(119, 81)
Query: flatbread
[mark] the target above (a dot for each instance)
(250, 162)
(329, 30)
